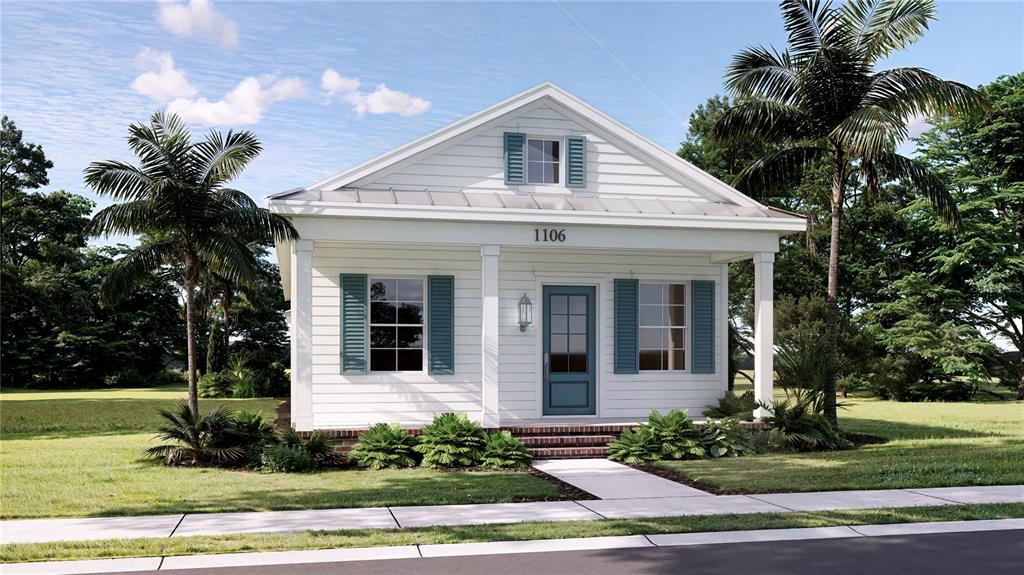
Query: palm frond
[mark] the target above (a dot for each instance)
(884, 26)
(763, 73)
(257, 225)
(133, 267)
(912, 92)
(227, 256)
(869, 130)
(778, 170)
(118, 180)
(129, 218)
(934, 188)
(221, 158)
(805, 21)
(761, 119)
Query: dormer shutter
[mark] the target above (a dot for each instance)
(515, 158)
(576, 162)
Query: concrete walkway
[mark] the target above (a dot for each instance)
(609, 480)
(500, 548)
(183, 525)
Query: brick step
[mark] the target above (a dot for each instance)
(567, 452)
(566, 440)
(566, 430)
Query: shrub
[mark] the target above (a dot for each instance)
(384, 445)
(452, 440)
(726, 438)
(294, 453)
(799, 424)
(212, 438)
(635, 445)
(732, 405)
(169, 377)
(129, 377)
(216, 385)
(504, 450)
(675, 434)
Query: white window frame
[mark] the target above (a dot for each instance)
(561, 161)
(685, 327)
(370, 325)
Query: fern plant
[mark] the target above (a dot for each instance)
(726, 438)
(799, 424)
(384, 445)
(634, 446)
(295, 453)
(504, 450)
(452, 440)
(676, 435)
(732, 405)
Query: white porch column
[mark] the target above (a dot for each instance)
(489, 336)
(301, 329)
(764, 329)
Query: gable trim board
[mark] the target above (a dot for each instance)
(472, 231)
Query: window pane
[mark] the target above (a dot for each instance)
(549, 173)
(651, 338)
(554, 173)
(676, 338)
(577, 324)
(410, 313)
(677, 359)
(381, 289)
(578, 363)
(535, 150)
(410, 360)
(653, 315)
(577, 344)
(382, 312)
(559, 344)
(410, 290)
(559, 362)
(553, 150)
(676, 294)
(651, 293)
(410, 337)
(677, 315)
(535, 173)
(558, 324)
(650, 359)
(578, 304)
(559, 304)
(382, 360)
(382, 336)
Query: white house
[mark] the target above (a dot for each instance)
(534, 263)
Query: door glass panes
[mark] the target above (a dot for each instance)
(662, 320)
(567, 328)
(396, 324)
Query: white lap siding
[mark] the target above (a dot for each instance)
(347, 400)
(619, 396)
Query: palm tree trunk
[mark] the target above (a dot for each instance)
(190, 326)
(832, 311)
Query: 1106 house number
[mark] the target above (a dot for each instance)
(548, 235)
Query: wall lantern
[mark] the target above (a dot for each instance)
(525, 312)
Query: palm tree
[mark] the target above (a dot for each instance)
(822, 102)
(178, 197)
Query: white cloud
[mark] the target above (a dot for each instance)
(334, 83)
(162, 82)
(917, 125)
(244, 104)
(382, 100)
(197, 18)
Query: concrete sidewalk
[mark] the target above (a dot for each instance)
(213, 561)
(182, 525)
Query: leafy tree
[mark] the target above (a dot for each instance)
(179, 195)
(822, 100)
(22, 166)
(981, 268)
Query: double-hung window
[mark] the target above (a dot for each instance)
(662, 323)
(542, 161)
(396, 324)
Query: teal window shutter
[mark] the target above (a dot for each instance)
(354, 323)
(515, 158)
(626, 330)
(702, 338)
(576, 162)
(441, 325)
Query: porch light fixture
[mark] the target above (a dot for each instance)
(525, 312)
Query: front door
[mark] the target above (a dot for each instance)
(569, 363)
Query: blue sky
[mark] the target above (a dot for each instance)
(75, 74)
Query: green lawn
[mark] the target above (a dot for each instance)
(249, 542)
(71, 454)
(928, 445)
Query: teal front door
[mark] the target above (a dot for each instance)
(570, 358)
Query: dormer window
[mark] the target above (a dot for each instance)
(542, 161)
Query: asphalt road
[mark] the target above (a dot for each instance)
(982, 553)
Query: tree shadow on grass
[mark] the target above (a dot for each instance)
(892, 430)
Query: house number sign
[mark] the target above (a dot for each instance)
(548, 235)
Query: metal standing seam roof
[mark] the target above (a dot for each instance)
(617, 204)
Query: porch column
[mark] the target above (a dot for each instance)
(764, 330)
(301, 331)
(489, 336)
